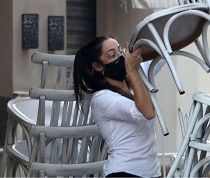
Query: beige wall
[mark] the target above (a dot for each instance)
(25, 73)
(113, 18)
(18, 72)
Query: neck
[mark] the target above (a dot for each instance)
(123, 87)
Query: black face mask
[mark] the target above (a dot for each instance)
(116, 69)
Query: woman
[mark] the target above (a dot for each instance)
(121, 106)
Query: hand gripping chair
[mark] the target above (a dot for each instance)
(62, 141)
(164, 33)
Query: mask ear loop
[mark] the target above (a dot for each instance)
(117, 61)
(92, 72)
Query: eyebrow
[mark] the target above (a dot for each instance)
(110, 50)
(113, 49)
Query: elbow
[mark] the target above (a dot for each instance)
(148, 111)
(149, 115)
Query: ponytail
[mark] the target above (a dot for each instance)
(85, 78)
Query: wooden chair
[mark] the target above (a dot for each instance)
(61, 141)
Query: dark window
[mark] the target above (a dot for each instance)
(81, 23)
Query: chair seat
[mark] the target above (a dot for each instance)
(182, 32)
(20, 150)
(26, 109)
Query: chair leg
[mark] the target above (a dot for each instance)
(159, 114)
(166, 57)
(3, 163)
(11, 167)
(8, 136)
(186, 139)
(14, 169)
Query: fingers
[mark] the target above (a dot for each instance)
(132, 60)
(137, 51)
(137, 54)
(127, 48)
(134, 55)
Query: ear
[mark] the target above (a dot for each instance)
(97, 67)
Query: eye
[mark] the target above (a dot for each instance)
(112, 55)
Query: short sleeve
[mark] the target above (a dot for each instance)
(108, 105)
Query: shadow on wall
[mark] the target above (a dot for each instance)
(3, 119)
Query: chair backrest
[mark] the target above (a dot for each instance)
(183, 27)
(62, 65)
(66, 140)
(181, 2)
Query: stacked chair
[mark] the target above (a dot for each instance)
(60, 138)
(162, 35)
(166, 32)
(195, 147)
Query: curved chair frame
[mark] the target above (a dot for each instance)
(82, 145)
(156, 27)
(54, 60)
(195, 138)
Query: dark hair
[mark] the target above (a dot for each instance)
(85, 78)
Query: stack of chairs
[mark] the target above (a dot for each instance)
(59, 137)
(195, 148)
(162, 35)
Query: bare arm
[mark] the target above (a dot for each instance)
(141, 95)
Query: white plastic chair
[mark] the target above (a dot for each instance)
(168, 31)
(60, 140)
(62, 67)
(61, 64)
(164, 33)
(195, 145)
(23, 111)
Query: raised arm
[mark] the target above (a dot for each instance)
(141, 94)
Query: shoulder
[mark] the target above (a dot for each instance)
(105, 96)
(106, 100)
(105, 92)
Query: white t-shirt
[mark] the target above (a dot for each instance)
(130, 137)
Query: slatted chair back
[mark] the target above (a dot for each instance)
(181, 2)
(65, 136)
(62, 65)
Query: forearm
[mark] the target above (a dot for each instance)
(141, 95)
